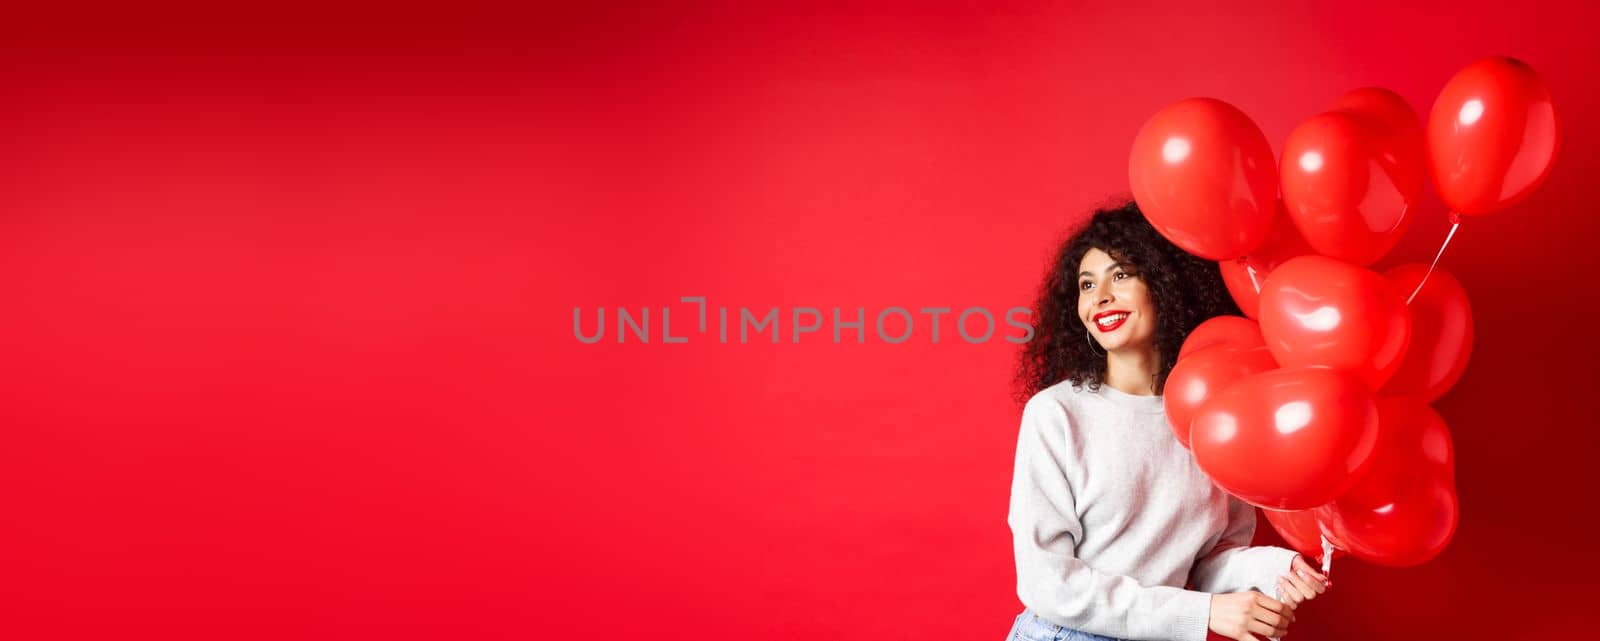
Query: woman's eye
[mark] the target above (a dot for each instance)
(1121, 275)
(1084, 285)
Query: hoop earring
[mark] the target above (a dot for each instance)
(1090, 337)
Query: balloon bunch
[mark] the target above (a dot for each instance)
(1316, 404)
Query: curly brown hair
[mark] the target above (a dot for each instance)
(1185, 289)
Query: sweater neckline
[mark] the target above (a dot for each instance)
(1142, 404)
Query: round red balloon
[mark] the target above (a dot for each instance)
(1287, 439)
(1317, 311)
(1205, 373)
(1412, 527)
(1205, 177)
(1349, 183)
(1388, 108)
(1222, 330)
(1244, 276)
(1492, 136)
(1441, 333)
(1300, 530)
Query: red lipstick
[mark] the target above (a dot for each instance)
(1114, 325)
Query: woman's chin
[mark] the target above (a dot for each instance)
(1125, 347)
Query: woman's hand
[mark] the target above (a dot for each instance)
(1239, 614)
(1302, 583)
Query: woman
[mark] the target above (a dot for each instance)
(1117, 532)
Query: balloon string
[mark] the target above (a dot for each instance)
(1455, 223)
(1277, 594)
(1327, 557)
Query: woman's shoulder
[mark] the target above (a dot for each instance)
(1064, 417)
(1063, 392)
(1062, 400)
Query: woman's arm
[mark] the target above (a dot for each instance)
(1051, 580)
(1232, 565)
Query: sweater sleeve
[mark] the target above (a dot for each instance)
(1233, 566)
(1045, 530)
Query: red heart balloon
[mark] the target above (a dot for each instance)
(1412, 527)
(1222, 330)
(1441, 333)
(1204, 175)
(1492, 136)
(1414, 444)
(1300, 530)
(1348, 184)
(1204, 374)
(1287, 439)
(1317, 311)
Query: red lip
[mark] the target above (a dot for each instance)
(1113, 326)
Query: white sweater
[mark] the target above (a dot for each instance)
(1111, 519)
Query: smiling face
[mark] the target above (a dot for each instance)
(1114, 303)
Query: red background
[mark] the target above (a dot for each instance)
(288, 339)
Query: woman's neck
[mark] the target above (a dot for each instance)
(1133, 371)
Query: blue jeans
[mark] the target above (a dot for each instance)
(1029, 627)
